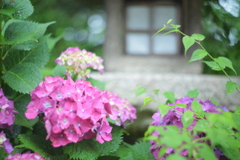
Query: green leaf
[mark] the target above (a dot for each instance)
(206, 152)
(169, 21)
(22, 8)
(8, 11)
(52, 41)
(38, 143)
(214, 101)
(187, 42)
(19, 31)
(196, 106)
(141, 151)
(193, 93)
(140, 91)
(223, 61)
(101, 85)
(91, 149)
(170, 96)
(175, 157)
(163, 108)
(230, 87)
(3, 154)
(214, 65)
(175, 26)
(148, 100)
(23, 77)
(59, 71)
(38, 55)
(20, 118)
(187, 118)
(198, 37)
(197, 55)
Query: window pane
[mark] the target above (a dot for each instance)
(138, 17)
(137, 43)
(166, 44)
(161, 14)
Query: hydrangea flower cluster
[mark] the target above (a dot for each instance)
(72, 111)
(79, 62)
(173, 117)
(25, 156)
(122, 111)
(5, 143)
(6, 111)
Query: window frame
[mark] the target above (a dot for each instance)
(152, 31)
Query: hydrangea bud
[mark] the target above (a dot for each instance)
(80, 62)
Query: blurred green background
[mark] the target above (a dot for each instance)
(82, 23)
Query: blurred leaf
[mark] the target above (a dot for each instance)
(23, 77)
(19, 31)
(223, 61)
(193, 93)
(198, 37)
(19, 9)
(163, 108)
(59, 71)
(140, 91)
(148, 100)
(101, 85)
(187, 118)
(230, 87)
(214, 66)
(175, 157)
(206, 152)
(197, 55)
(20, 118)
(170, 96)
(187, 42)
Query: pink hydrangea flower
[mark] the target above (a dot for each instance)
(74, 111)
(5, 143)
(79, 62)
(122, 111)
(173, 117)
(25, 156)
(6, 111)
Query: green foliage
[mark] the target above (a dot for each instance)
(193, 93)
(91, 149)
(139, 150)
(20, 107)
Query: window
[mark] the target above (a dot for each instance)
(143, 21)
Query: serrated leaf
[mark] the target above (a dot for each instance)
(22, 8)
(38, 55)
(19, 31)
(187, 118)
(187, 43)
(23, 77)
(38, 143)
(197, 55)
(141, 151)
(193, 93)
(230, 87)
(223, 61)
(20, 119)
(170, 96)
(90, 149)
(214, 66)
(198, 37)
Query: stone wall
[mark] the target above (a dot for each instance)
(209, 86)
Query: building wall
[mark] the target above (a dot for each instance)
(115, 58)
